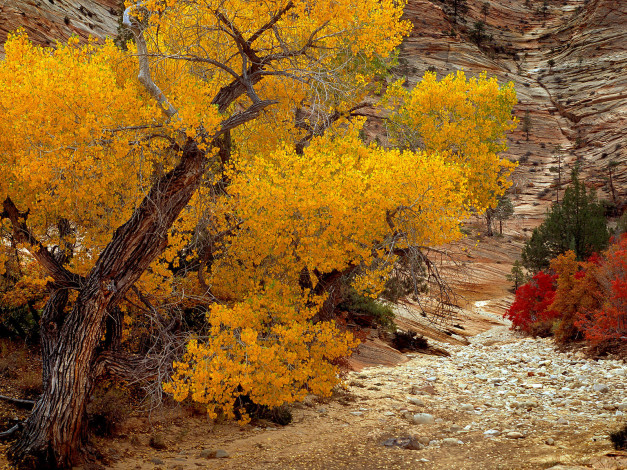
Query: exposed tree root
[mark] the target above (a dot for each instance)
(18, 401)
(10, 432)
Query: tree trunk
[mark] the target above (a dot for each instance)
(488, 219)
(55, 433)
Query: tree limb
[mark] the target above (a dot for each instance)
(144, 76)
(243, 117)
(48, 261)
(128, 367)
(270, 24)
(11, 431)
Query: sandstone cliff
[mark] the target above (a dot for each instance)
(568, 64)
(47, 21)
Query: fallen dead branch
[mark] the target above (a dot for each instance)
(18, 401)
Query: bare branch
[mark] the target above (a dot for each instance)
(195, 58)
(18, 401)
(238, 37)
(243, 117)
(144, 66)
(11, 431)
(270, 24)
(287, 54)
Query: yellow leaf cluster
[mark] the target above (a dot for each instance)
(463, 119)
(265, 348)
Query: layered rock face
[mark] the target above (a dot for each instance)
(591, 52)
(568, 62)
(47, 21)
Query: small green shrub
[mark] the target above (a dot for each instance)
(367, 312)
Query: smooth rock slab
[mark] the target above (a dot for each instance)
(514, 435)
(601, 388)
(451, 441)
(423, 418)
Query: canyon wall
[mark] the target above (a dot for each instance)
(47, 21)
(569, 66)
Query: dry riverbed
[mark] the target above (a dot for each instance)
(503, 402)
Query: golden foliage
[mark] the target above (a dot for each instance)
(465, 120)
(80, 139)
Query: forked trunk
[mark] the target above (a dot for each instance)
(72, 346)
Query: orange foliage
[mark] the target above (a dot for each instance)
(577, 293)
(608, 322)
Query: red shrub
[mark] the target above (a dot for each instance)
(577, 294)
(530, 311)
(609, 322)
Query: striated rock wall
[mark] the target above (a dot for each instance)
(47, 21)
(569, 67)
(588, 85)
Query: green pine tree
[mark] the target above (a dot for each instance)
(503, 211)
(518, 276)
(577, 224)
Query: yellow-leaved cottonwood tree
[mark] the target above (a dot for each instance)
(234, 155)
